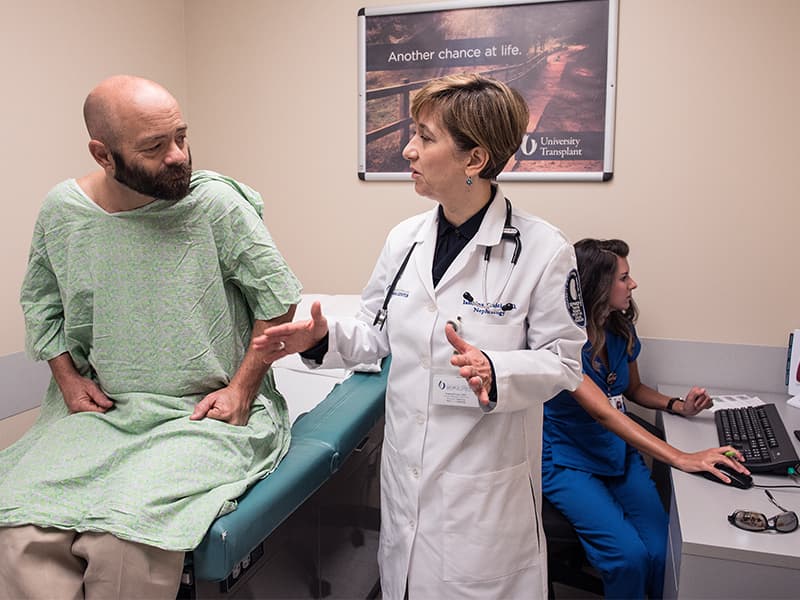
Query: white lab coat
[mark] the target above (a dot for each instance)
(460, 486)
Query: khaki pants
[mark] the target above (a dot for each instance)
(52, 563)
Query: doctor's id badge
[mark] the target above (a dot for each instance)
(448, 388)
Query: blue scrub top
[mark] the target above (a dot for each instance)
(571, 437)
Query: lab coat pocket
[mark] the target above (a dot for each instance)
(494, 336)
(394, 501)
(489, 525)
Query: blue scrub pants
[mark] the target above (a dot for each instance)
(620, 521)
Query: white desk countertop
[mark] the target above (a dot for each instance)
(703, 506)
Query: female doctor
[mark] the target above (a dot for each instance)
(479, 305)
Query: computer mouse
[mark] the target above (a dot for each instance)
(738, 480)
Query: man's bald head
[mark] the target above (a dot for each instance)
(117, 102)
(138, 137)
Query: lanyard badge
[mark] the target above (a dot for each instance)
(448, 388)
(617, 402)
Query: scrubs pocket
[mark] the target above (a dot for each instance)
(489, 525)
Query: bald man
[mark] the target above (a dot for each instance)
(145, 284)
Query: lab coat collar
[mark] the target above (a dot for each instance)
(429, 225)
(490, 233)
(426, 245)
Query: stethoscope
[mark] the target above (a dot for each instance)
(509, 233)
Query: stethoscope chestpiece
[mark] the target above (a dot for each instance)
(456, 323)
(380, 318)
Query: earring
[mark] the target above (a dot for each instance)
(469, 180)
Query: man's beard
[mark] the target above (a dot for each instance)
(170, 183)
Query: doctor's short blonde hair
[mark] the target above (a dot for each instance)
(476, 111)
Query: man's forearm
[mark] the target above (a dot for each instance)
(63, 369)
(252, 370)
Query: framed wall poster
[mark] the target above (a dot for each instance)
(559, 54)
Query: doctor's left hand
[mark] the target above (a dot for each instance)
(288, 338)
(473, 365)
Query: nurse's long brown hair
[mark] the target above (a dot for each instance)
(597, 267)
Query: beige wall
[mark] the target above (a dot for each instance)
(703, 186)
(51, 54)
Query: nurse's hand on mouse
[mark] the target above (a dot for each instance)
(707, 460)
(288, 338)
(473, 364)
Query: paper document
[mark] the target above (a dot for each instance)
(735, 401)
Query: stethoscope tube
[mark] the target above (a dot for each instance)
(380, 318)
(509, 233)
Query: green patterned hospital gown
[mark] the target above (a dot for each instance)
(156, 305)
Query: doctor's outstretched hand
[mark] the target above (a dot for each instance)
(288, 338)
(473, 364)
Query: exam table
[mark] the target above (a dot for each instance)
(324, 435)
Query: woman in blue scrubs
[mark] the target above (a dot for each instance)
(592, 470)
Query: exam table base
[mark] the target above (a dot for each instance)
(348, 504)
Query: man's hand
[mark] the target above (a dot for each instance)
(84, 395)
(232, 403)
(81, 394)
(223, 405)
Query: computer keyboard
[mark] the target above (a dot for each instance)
(759, 434)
